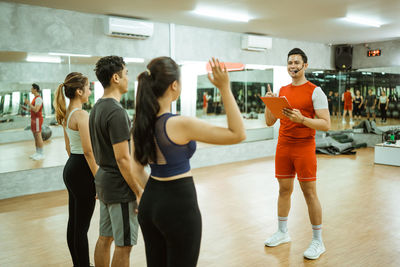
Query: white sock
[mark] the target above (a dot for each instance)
(282, 224)
(39, 151)
(317, 232)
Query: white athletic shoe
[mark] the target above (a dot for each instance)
(277, 239)
(344, 121)
(351, 122)
(33, 155)
(315, 250)
(38, 157)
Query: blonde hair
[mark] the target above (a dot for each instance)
(72, 82)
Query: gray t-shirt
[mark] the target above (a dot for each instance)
(109, 124)
(370, 100)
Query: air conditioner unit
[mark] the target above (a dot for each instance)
(129, 28)
(256, 42)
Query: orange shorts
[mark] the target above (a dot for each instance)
(348, 106)
(295, 158)
(36, 125)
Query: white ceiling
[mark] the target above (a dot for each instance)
(307, 20)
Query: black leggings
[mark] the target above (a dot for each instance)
(81, 191)
(357, 109)
(170, 220)
(383, 111)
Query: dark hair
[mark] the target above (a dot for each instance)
(298, 51)
(161, 72)
(72, 82)
(36, 87)
(106, 67)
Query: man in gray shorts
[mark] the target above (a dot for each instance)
(116, 185)
(370, 103)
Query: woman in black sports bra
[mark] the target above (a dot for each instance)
(169, 215)
(358, 102)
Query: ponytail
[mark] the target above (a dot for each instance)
(59, 104)
(147, 108)
(72, 82)
(152, 84)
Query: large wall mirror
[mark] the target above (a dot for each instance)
(382, 83)
(20, 69)
(247, 87)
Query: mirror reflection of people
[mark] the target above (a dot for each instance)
(330, 101)
(295, 152)
(210, 104)
(335, 105)
(81, 167)
(358, 102)
(370, 103)
(217, 103)
(36, 108)
(169, 215)
(347, 98)
(383, 105)
(205, 103)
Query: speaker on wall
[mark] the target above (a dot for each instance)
(343, 57)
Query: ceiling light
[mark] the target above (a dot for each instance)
(221, 14)
(68, 54)
(44, 59)
(363, 21)
(133, 60)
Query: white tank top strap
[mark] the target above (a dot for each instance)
(69, 116)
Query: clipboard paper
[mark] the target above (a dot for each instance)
(276, 105)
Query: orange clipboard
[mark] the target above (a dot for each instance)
(276, 105)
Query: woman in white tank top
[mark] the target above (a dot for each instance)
(80, 169)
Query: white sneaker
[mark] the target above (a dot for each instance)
(344, 121)
(315, 250)
(38, 157)
(277, 239)
(351, 122)
(33, 155)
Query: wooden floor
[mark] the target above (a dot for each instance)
(15, 156)
(361, 218)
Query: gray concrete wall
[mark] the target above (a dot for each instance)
(199, 44)
(18, 135)
(38, 29)
(390, 55)
(13, 184)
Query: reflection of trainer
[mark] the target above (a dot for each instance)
(295, 152)
(205, 104)
(347, 98)
(36, 107)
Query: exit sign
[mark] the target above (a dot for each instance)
(374, 53)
